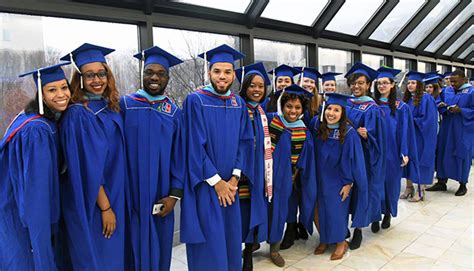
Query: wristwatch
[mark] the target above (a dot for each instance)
(236, 176)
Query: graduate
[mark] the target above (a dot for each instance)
(432, 87)
(282, 76)
(471, 81)
(340, 173)
(220, 142)
(329, 81)
(400, 142)
(29, 180)
(155, 152)
(309, 80)
(293, 155)
(93, 192)
(255, 194)
(367, 119)
(456, 134)
(424, 113)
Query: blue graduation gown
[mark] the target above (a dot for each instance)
(29, 193)
(400, 142)
(93, 146)
(219, 139)
(337, 165)
(425, 117)
(456, 136)
(254, 211)
(283, 184)
(369, 115)
(155, 152)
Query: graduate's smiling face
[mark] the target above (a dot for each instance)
(429, 89)
(456, 81)
(329, 86)
(411, 86)
(309, 84)
(283, 82)
(155, 79)
(222, 76)
(95, 77)
(256, 90)
(384, 85)
(56, 95)
(360, 86)
(333, 113)
(292, 110)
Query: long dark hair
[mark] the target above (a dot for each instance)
(392, 96)
(344, 124)
(246, 84)
(291, 96)
(436, 90)
(418, 94)
(33, 107)
(273, 99)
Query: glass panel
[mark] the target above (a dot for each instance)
(459, 42)
(373, 61)
(467, 51)
(29, 42)
(429, 23)
(401, 64)
(302, 12)
(422, 66)
(442, 68)
(396, 20)
(186, 45)
(451, 28)
(235, 6)
(332, 60)
(353, 15)
(275, 53)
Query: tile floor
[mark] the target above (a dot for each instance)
(436, 234)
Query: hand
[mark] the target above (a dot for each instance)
(225, 193)
(455, 109)
(405, 160)
(442, 104)
(233, 182)
(362, 131)
(109, 223)
(344, 193)
(168, 205)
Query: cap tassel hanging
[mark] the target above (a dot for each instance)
(205, 68)
(279, 110)
(301, 77)
(401, 81)
(77, 69)
(142, 64)
(242, 80)
(273, 81)
(40, 94)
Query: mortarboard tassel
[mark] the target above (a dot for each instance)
(301, 76)
(142, 64)
(77, 69)
(40, 94)
(205, 68)
(242, 80)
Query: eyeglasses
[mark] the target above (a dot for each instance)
(150, 73)
(383, 83)
(89, 76)
(358, 83)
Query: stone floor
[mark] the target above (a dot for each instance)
(436, 234)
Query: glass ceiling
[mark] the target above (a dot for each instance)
(451, 28)
(295, 11)
(429, 23)
(467, 51)
(353, 15)
(459, 42)
(239, 6)
(396, 20)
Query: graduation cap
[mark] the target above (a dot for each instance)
(293, 89)
(85, 54)
(385, 72)
(336, 98)
(329, 76)
(45, 75)
(431, 80)
(156, 55)
(223, 53)
(282, 70)
(256, 68)
(413, 75)
(309, 72)
(447, 74)
(360, 68)
(471, 79)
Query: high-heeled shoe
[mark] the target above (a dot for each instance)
(337, 256)
(320, 249)
(409, 191)
(418, 195)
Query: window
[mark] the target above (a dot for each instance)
(37, 41)
(401, 64)
(442, 68)
(187, 45)
(422, 66)
(235, 6)
(332, 60)
(373, 61)
(275, 53)
(396, 20)
(353, 16)
(302, 12)
(460, 41)
(429, 23)
(467, 51)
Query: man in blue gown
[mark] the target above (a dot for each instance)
(152, 124)
(220, 146)
(456, 134)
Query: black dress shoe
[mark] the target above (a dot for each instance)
(386, 221)
(375, 227)
(302, 233)
(289, 237)
(247, 265)
(438, 187)
(461, 191)
(356, 239)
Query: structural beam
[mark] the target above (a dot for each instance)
(376, 20)
(463, 48)
(254, 11)
(454, 37)
(326, 16)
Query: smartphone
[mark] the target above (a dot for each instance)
(157, 208)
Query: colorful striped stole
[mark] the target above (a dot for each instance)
(298, 137)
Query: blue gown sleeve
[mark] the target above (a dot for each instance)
(427, 123)
(376, 143)
(37, 192)
(408, 145)
(467, 113)
(307, 166)
(178, 166)
(245, 153)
